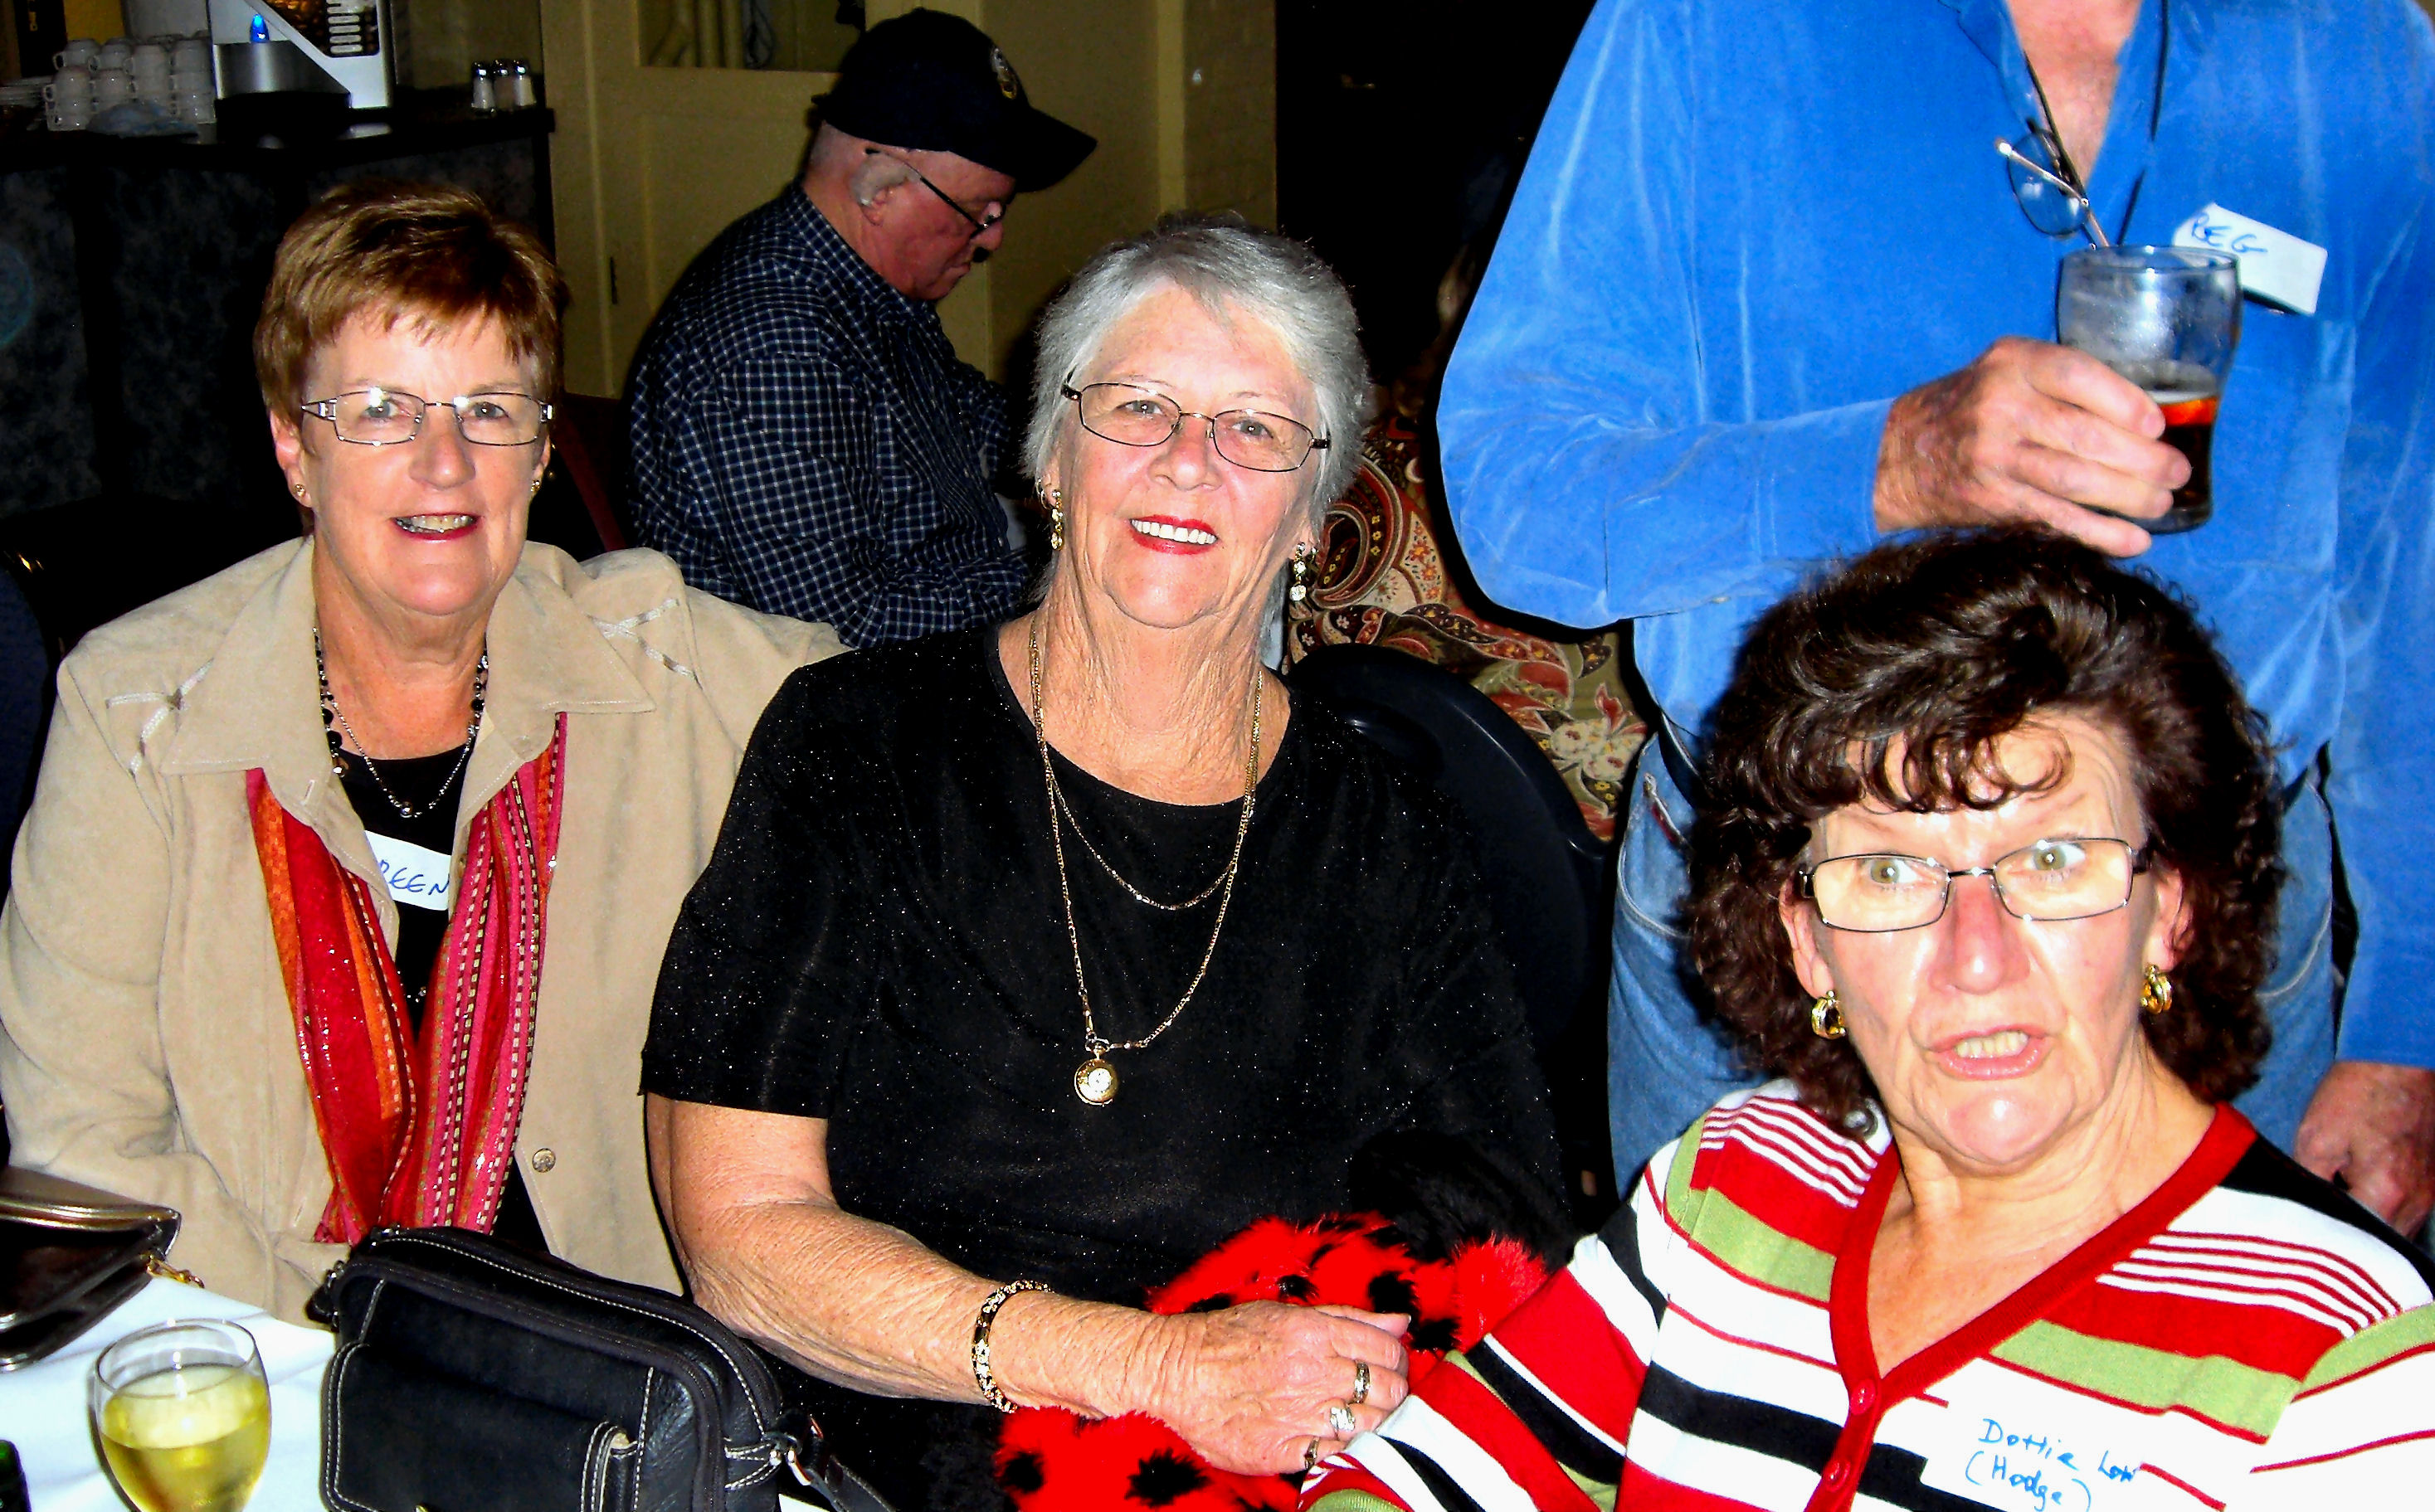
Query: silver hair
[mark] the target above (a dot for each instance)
(1235, 270)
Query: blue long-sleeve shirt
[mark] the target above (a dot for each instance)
(1746, 228)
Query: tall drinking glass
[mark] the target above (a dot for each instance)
(2166, 318)
(183, 1415)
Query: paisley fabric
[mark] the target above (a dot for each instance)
(1384, 579)
(419, 1127)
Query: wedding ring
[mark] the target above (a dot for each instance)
(1309, 1455)
(1340, 1421)
(1360, 1382)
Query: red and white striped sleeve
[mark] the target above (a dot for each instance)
(1536, 1415)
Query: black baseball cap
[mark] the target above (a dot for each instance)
(932, 82)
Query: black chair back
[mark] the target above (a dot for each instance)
(1545, 873)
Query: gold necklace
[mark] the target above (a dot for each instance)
(1057, 792)
(1094, 1079)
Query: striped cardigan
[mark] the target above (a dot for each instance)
(2246, 1337)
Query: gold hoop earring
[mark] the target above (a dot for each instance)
(2156, 992)
(1304, 555)
(1056, 519)
(1826, 1017)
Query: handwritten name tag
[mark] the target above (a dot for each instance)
(2021, 1444)
(417, 878)
(2274, 265)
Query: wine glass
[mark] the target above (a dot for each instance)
(182, 1411)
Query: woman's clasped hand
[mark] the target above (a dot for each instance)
(1253, 1388)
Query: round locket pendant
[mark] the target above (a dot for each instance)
(1095, 1082)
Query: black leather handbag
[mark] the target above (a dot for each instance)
(68, 1255)
(471, 1377)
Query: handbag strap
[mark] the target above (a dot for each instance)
(821, 1479)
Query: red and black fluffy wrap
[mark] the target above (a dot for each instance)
(1049, 1460)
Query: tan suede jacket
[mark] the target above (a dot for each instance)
(146, 1043)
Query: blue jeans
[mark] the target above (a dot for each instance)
(1667, 1065)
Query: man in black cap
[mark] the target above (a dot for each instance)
(804, 439)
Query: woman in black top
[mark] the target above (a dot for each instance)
(1058, 951)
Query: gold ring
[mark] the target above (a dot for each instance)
(1341, 1420)
(1309, 1455)
(1360, 1382)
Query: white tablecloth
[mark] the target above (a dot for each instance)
(42, 1408)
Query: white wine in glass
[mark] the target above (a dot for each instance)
(183, 1415)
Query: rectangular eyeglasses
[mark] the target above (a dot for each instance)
(389, 417)
(2050, 881)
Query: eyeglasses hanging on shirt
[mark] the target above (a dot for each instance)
(2047, 184)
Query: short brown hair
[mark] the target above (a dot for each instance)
(425, 253)
(1920, 658)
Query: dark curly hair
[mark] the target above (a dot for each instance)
(1893, 680)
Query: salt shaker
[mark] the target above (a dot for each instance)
(516, 79)
(486, 89)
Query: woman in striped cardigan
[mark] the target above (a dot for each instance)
(1986, 877)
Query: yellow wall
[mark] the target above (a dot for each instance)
(1089, 62)
(447, 35)
(98, 19)
(649, 163)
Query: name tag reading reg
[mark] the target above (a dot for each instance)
(417, 877)
(2021, 1444)
(2274, 265)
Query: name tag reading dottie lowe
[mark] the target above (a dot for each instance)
(417, 877)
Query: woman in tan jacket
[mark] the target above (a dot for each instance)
(350, 868)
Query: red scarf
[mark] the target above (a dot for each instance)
(418, 1132)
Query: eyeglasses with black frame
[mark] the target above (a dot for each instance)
(981, 223)
(390, 417)
(2050, 881)
(1133, 416)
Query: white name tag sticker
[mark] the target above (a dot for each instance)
(2274, 265)
(417, 878)
(2015, 1442)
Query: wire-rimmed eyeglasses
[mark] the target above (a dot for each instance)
(990, 213)
(2047, 184)
(1253, 438)
(2050, 881)
(387, 417)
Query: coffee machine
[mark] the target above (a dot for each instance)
(345, 42)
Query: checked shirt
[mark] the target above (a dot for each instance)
(805, 441)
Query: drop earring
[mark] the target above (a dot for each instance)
(2156, 992)
(1303, 557)
(1826, 1017)
(1056, 519)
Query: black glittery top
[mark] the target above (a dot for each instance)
(879, 941)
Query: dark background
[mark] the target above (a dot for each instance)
(1401, 125)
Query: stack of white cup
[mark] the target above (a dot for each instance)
(149, 63)
(113, 78)
(67, 100)
(191, 95)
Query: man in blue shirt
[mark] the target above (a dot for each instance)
(804, 439)
(1767, 294)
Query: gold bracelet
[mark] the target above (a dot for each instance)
(981, 1376)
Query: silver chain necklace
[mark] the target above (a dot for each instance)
(1094, 1079)
(333, 716)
